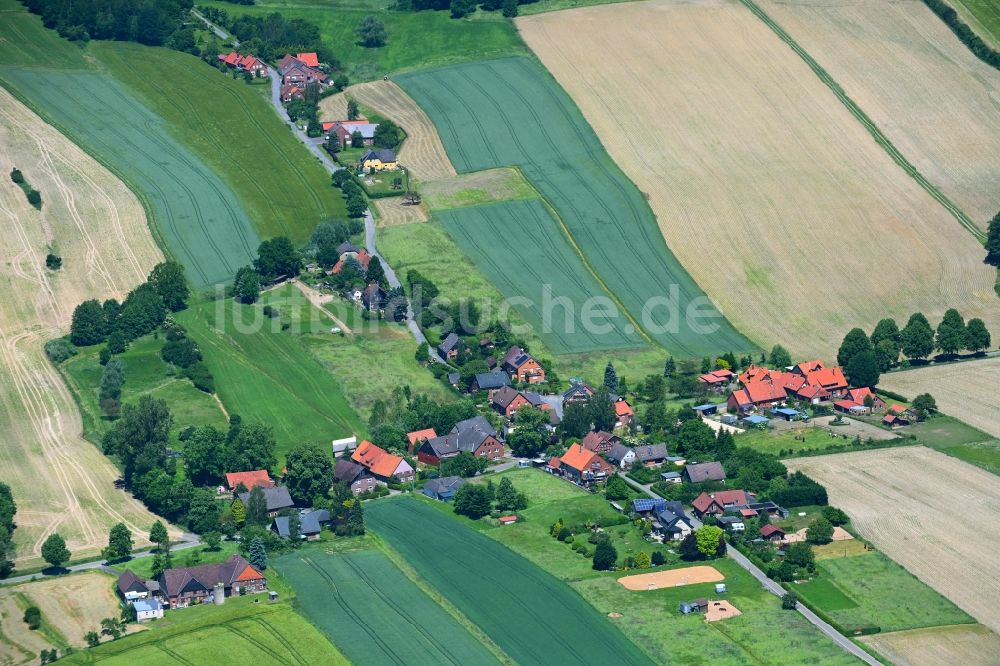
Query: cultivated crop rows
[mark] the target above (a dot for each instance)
(532, 616)
(772, 194)
(510, 113)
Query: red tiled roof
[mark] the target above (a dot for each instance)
(810, 366)
(769, 530)
(761, 391)
(622, 409)
(420, 435)
(554, 462)
(327, 126)
(507, 519)
(259, 477)
(810, 392)
(741, 397)
(379, 461)
(310, 59)
(748, 513)
(846, 404)
(578, 457)
(830, 378)
(720, 497)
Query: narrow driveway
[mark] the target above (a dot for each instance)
(219, 32)
(776, 589)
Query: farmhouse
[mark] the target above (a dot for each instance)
(451, 346)
(418, 436)
(148, 609)
(475, 436)
(131, 588)
(755, 394)
(383, 159)
(651, 455)
(522, 366)
(862, 395)
(260, 477)
(182, 586)
(621, 455)
(277, 499)
(762, 387)
(600, 442)
(817, 374)
(583, 466)
(361, 256)
(245, 63)
(443, 489)
(716, 503)
(296, 72)
(701, 472)
(897, 416)
(354, 475)
(383, 465)
(717, 379)
(373, 297)
(344, 131)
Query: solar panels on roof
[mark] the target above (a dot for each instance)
(648, 504)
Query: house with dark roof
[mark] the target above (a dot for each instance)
(600, 441)
(578, 391)
(717, 503)
(418, 436)
(355, 475)
(522, 366)
(489, 381)
(451, 346)
(185, 585)
(443, 489)
(277, 499)
(383, 159)
(701, 472)
(621, 455)
(345, 247)
(651, 455)
(373, 297)
(475, 436)
(131, 588)
(671, 521)
(310, 524)
(507, 400)
(295, 72)
(731, 523)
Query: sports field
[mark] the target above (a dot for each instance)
(964, 390)
(541, 259)
(241, 631)
(266, 374)
(512, 113)
(60, 481)
(903, 501)
(767, 205)
(962, 644)
(933, 98)
(532, 616)
(234, 130)
(374, 613)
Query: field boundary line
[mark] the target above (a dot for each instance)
(862, 117)
(413, 576)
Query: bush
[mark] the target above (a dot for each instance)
(35, 198)
(605, 557)
(183, 352)
(59, 350)
(201, 377)
(33, 617)
(53, 262)
(16, 176)
(789, 601)
(658, 559)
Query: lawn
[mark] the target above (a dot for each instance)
(416, 39)
(510, 112)
(544, 269)
(955, 438)
(783, 443)
(145, 374)
(264, 373)
(367, 365)
(985, 15)
(233, 129)
(532, 616)
(872, 590)
(246, 630)
(374, 613)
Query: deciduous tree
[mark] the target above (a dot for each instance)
(158, 535)
(855, 342)
(54, 550)
(862, 369)
(257, 507)
(605, 556)
(88, 326)
(472, 500)
(917, 337)
(529, 436)
(950, 333)
(277, 257)
(119, 544)
(170, 283)
(707, 539)
(993, 241)
(820, 532)
(205, 455)
(779, 357)
(616, 488)
(977, 336)
(310, 472)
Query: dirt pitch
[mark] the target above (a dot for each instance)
(958, 644)
(422, 152)
(925, 510)
(60, 481)
(671, 578)
(934, 99)
(967, 390)
(739, 145)
(720, 610)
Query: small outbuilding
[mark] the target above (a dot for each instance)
(706, 410)
(786, 413)
(754, 421)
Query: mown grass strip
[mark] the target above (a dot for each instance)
(868, 123)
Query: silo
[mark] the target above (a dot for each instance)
(219, 594)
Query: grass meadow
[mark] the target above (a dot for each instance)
(415, 39)
(374, 613)
(872, 590)
(530, 615)
(985, 15)
(510, 112)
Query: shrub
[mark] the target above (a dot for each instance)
(789, 601)
(33, 617)
(59, 350)
(201, 377)
(564, 534)
(183, 352)
(35, 198)
(658, 558)
(16, 176)
(53, 262)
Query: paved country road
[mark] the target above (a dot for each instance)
(774, 588)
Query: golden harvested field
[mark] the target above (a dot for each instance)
(60, 481)
(934, 99)
(958, 644)
(772, 195)
(71, 606)
(929, 512)
(964, 390)
(393, 212)
(422, 152)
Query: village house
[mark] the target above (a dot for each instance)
(344, 131)
(451, 347)
(290, 91)
(186, 585)
(277, 499)
(772, 533)
(506, 400)
(755, 394)
(669, 519)
(898, 416)
(361, 256)
(583, 466)
(131, 588)
(354, 475)
(716, 503)
(578, 392)
(382, 159)
(475, 436)
(489, 381)
(623, 413)
(701, 472)
(443, 489)
(310, 524)
(862, 395)
(245, 63)
(621, 455)
(148, 609)
(259, 477)
(419, 436)
(651, 455)
(295, 72)
(717, 380)
(600, 442)
(522, 366)
(851, 407)
(817, 374)
(373, 297)
(383, 465)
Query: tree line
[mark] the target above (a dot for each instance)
(150, 22)
(8, 508)
(981, 49)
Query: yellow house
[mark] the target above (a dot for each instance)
(378, 160)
